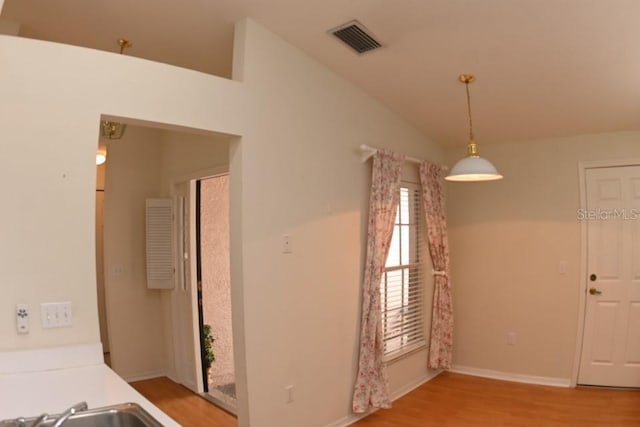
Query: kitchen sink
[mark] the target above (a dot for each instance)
(123, 415)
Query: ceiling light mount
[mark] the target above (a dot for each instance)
(473, 167)
(124, 43)
(467, 78)
(112, 130)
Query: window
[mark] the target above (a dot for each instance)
(402, 284)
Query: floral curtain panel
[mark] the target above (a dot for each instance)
(441, 343)
(371, 389)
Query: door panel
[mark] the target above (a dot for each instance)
(633, 340)
(186, 342)
(611, 342)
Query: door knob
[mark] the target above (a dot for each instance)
(594, 291)
(593, 277)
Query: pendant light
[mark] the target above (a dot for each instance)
(473, 167)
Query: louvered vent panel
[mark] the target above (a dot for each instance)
(159, 243)
(356, 36)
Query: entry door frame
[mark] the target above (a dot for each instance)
(582, 307)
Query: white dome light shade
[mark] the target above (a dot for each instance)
(473, 168)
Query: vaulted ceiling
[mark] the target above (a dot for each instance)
(544, 68)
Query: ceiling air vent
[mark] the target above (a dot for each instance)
(356, 36)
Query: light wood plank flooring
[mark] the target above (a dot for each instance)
(448, 400)
(184, 406)
(461, 400)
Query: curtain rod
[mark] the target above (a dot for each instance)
(368, 151)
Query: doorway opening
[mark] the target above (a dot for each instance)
(214, 290)
(202, 301)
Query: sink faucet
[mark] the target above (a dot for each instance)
(41, 419)
(78, 407)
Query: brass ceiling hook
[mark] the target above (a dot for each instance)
(124, 43)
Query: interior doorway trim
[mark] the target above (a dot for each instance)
(582, 298)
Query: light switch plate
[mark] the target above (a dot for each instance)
(56, 314)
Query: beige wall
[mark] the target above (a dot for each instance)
(102, 307)
(507, 241)
(134, 312)
(301, 175)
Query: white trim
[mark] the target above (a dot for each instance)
(353, 418)
(582, 289)
(145, 376)
(591, 164)
(48, 359)
(509, 376)
(211, 172)
(349, 419)
(414, 385)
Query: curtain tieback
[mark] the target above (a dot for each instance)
(439, 273)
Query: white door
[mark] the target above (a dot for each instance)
(611, 342)
(185, 313)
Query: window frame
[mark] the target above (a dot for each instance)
(415, 299)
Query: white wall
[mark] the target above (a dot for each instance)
(302, 175)
(507, 241)
(52, 98)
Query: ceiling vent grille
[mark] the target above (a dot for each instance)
(356, 36)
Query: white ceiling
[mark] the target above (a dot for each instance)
(545, 68)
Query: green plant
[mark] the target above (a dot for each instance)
(208, 340)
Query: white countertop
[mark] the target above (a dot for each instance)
(31, 392)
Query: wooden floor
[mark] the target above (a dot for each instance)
(184, 406)
(448, 400)
(461, 400)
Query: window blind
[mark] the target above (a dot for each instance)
(402, 282)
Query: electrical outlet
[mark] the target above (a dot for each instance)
(286, 244)
(512, 338)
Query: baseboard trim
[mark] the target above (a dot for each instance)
(414, 385)
(353, 418)
(349, 419)
(144, 376)
(509, 376)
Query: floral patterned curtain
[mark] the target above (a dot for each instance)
(441, 344)
(371, 389)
